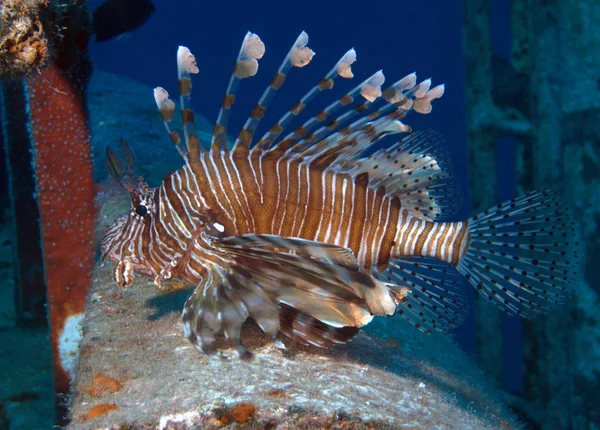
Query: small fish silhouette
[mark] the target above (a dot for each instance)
(117, 17)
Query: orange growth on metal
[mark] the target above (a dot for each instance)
(65, 193)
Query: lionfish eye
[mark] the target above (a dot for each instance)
(141, 210)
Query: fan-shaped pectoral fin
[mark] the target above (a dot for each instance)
(221, 304)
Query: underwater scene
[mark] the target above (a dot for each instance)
(316, 215)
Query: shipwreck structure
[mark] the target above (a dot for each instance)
(539, 97)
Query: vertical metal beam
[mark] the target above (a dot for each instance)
(482, 160)
(506, 176)
(549, 341)
(558, 44)
(30, 289)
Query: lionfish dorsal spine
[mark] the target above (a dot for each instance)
(292, 138)
(166, 108)
(186, 66)
(353, 139)
(342, 68)
(369, 89)
(246, 65)
(299, 55)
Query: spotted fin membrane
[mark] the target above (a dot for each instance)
(522, 256)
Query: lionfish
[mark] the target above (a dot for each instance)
(313, 233)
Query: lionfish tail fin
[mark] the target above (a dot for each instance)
(522, 254)
(246, 65)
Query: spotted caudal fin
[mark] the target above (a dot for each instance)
(522, 254)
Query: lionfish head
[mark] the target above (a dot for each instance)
(122, 241)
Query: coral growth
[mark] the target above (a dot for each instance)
(103, 385)
(24, 43)
(101, 410)
(35, 32)
(241, 413)
(66, 190)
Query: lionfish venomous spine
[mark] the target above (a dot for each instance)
(311, 237)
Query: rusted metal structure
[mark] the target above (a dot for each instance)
(553, 120)
(43, 45)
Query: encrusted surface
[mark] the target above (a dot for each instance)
(23, 40)
(137, 369)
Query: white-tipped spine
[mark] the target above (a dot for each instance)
(436, 93)
(251, 51)
(186, 62)
(166, 107)
(301, 54)
(344, 67)
(186, 65)
(422, 88)
(371, 90)
(408, 82)
(163, 103)
(423, 105)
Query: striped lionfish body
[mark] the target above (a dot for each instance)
(310, 237)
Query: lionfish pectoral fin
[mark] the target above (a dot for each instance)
(320, 283)
(435, 300)
(319, 280)
(331, 253)
(222, 303)
(304, 329)
(379, 297)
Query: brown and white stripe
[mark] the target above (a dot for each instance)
(417, 236)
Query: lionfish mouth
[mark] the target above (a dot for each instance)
(110, 239)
